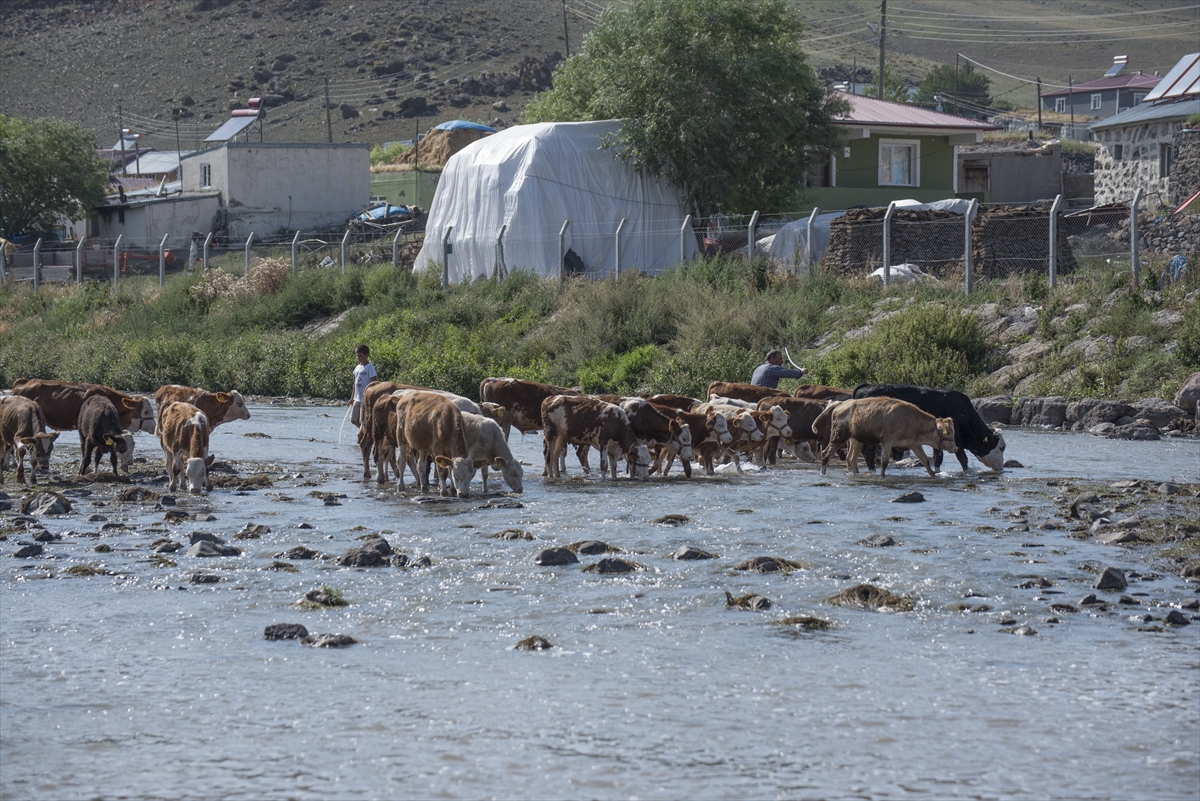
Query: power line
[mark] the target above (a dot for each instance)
(975, 17)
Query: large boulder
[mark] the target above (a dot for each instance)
(1092, 412)
(1136, 430)
(45, 502)
(995, 409)
(1050, 411)
(1157, 411)
(1188, 394)
(375, 552)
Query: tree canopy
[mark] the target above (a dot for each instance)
(48, 171)
(716, 96)
(895, 88)
(973, 87)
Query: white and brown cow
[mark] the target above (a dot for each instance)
(487, 448)
(710, 433)
(184, 433)
(23, 431)
(218, 407)
(521, 399)
(663, 432)
(430, 427)
(887, 422)
(60, 402)
(578, 420)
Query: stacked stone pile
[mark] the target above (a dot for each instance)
(1005, 241)
(1185, 166)
(1179, 233)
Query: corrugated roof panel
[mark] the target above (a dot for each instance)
(230, 129)
(1131, 80)
(868, 111)
(1150, 112)
(1183, 79)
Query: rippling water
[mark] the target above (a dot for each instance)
(141, 684)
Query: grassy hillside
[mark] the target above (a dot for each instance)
(673, 333)
(81, 61)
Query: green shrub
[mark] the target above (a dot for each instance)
(1188, 349)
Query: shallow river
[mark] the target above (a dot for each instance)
(140, 684)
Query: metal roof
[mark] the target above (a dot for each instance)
(154, 163)
(1150, 112)
(232, 127)
(871, 113)
(1183, 79)
(1129, 80)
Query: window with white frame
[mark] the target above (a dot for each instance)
(899, 162)
(1097, 99)
(205, 175)
(1060, 105)
(1138, 97)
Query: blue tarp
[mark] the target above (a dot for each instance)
(382, 212)
(458, 125)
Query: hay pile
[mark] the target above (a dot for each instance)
(267, 276)
(438, 146)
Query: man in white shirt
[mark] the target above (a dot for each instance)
(364, 374)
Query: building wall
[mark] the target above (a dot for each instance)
(406, 188)
(272, 188)
(861, 169)
(1138, 165)
(1017, 176)
(1111, 102)
(145, 225)
(1185, 166)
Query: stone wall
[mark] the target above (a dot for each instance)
(1185, 166)
(1116, 180)
(1005, 240)
(1179, 233)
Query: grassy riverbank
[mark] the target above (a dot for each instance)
(673, 333)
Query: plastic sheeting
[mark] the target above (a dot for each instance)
(791, 241)
(534, 177)
(458, 125)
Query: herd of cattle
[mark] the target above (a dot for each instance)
(429, 431)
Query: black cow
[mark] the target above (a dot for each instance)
(970, 432)
(99, 431)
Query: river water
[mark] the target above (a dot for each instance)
(140, 684)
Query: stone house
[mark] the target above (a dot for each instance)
(1136, 149)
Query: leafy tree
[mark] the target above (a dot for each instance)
(973, 87)
(716, 96)
(48, 170)
(895, 88)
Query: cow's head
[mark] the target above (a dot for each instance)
(991, 452)
(39, 447)
(638, 457)
(945, 429)
(747, 426)
(719, 427)
(681, 437)
(775, 422)
(144, 410)
(236, 404)
(126, 456)
(197, 474)
(495, 411)
(461, 471)
(511, 471)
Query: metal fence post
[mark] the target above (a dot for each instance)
(1133, 238)
(687, 223)
(1054, 241)
(617, 263)
(116, 260)
(562, 252)
(37, 264)
(249, 239)
(396, 248)
(207, 242)
(750, 235)
(887, 243)
(79, 257)
(447, 248)
(345, 242)
(295, 246)
(162, 261)
(970, 217)
(809, 250)
(500, 269)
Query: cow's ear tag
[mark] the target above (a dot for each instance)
(108, 440)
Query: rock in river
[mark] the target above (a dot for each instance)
(28, 551)
(769, 564)
(751, 602)
(878, 541)
(592, 547)
(868, 596)
(534, 643)
(609, 565)
(328, 640)
(374, 552)
(284, 631)
(1111, 579)
(204, 549)
(551, 557)
(45, 502)
(687, 553)
(909, 497)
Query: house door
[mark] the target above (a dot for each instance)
(975, 178)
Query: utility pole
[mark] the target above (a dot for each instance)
(882, 38)
(178, 151)
(566, 33)
(328, 122)
(121, 132)
(1039, 102)
(956, 55)
(1071, 101)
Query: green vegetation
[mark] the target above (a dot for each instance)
(50, 171)
(895, 88)
(717, 97)
(972, 87)
(386, 155)
(712, 319)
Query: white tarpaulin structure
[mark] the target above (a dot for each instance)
(790, 244)
(533, 178)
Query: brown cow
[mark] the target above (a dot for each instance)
(821, 392)
(430, 426)
(681, 402)
(575, 420)
(710, 432)
(218, 407)
(522, 399)
(99, 432)
(743, 392)
(185, 433)
(887, 422)
(22, 431)
(801, 414)
(61, 401)
(366, 425)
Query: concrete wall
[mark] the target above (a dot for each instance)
(273, 188)
(145, 224)
(1017, 175)
(1138, 166)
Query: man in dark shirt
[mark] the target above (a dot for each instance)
(769, 372)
